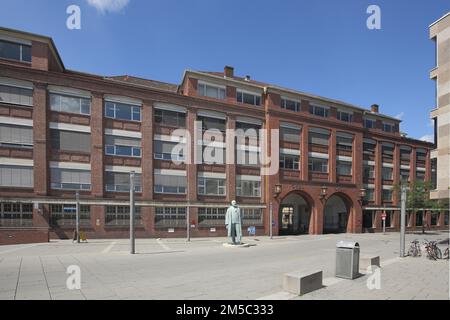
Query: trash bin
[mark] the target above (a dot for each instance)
(347, 259)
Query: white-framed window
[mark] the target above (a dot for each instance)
(170, 118)
(71, 141)
(122, 146)
(16, 176)
(387, 173)
(290, 105)
(248, 98)
(289, 161)
(120, 182)
(170, 216)
(164, 151)
(369, 123)
(170, 184)
(70, 104)
(70, 179)
(65, 215)
(120, 216)
(211, 186)
(369, 172)
(318, 111)
(122, 111)
(344, 116)
(248, 188)
(318, 165)
(344, 142)
(290, 134)
(211, 91)
(15, 51)
(16, 214)
(344, 168)
(318, 138)
(16, 136)
(251, 216)
(16, 95)
(388, 127)
(211, 216)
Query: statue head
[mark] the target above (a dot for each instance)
(234, 203)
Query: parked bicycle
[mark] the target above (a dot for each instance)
(433, 251)
(414, 249)
(445, 256)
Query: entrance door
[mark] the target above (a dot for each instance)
(287, 220)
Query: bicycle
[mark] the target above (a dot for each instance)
(433, 251)
(414, 249)
(445, 256)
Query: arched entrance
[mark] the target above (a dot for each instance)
(336, 214)
(295, 215)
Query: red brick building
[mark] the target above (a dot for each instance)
(63, 131)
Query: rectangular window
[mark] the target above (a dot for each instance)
(404, 175)
(70, 179)
(15, 136)
(386, 195)
(16, 214)
(318, 138)
(120, 182)
(419, 219)
(344, 143)
(434, 174)
(421, 155)
(214, 155)
(318, 165)
(290, 105)
(122, 111)
(386, 173)
(247, 158)
(170, 217)
(345, 116)
(212, 124)
(387, 151)
(16, 176)
(122, 146)
(318, 111)
(211, 186)
(344, 168)
(15, 51)
(370, 195)
(211, 216)
(434, 218)
(120, 216)
(370, 123)
(247, 188)
(420, 175)
(251, 217)
(164, 151)
(248, 98)
(170, 184)
(16, 95)
(170, 118)
(70, 141)
(290, 134)
(289, 161)
(70, 104)
(65, 215)
(388, 127)
(369, 172)
(206, 90)
(369, 147)
(405, 154)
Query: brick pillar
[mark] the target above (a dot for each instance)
(98, 218)
(148, 219)
(412, 164)
(41, 138)
(190, 87)
(378, 179)
(378, 223)
(428, 166)
(231, 168)
(304, 150)
(147, 151)
(396, 174)
(357, 156)
(332, 157)
(231, 94)
(191, 167)
(98, 142)
(318, 212)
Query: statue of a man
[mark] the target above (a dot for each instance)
(233, 221)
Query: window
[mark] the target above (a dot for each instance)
(170, 184)
(70, 141)
(369, 172)
(212, 124)
(70, 179)
(290, 105)
(370, 123)
(404, 175)
(386, 173)
(170, 118)
(16, 176)
(289, 161)
(421, 155)
(247, 158)
(388, 127)
(65, 215)
(345, 116)
(369, 147)
(206, 90)
(344, 142)
(247, 130)
(434, 174)
(419, 219)
(122, 111)
(290, 134)
(387, 150)
(15, 136)
(318, 111)
(405, 153)
(368, 219)
(213, 155)
(318, 138)
(251, 216)
(170, 217)
(15, 51)
(65, 103)
(16, 214)
(389, 222)
(248, 188)
(16, 95)
(386, 195)
(211, 216)
(420, 175)
(344, 168)
(120, 182)
(370, 195)
(163, 151)
(434, 218)
(211, 186)
(120, 216)
(248, 98)
(318, 165)
(122, 146)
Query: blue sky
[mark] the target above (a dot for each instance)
(321, 47)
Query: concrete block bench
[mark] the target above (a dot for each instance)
(300, 283)
(366, 261)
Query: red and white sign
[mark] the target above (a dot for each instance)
(383, 216)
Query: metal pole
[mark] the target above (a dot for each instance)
(132, 236)
(403, 221)
(77, 209)
(271, 220)
(188, 218)
(384, 226)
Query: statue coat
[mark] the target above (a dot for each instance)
(233, 215)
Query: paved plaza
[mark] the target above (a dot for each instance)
(204, 269)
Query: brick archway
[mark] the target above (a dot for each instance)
(338, 213)
(296, 214)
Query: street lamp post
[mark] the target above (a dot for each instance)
(77, 214)
(402, 220)
(132, 235)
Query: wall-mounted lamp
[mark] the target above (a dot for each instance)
(362, 195)
(276, 190)
(323, 193)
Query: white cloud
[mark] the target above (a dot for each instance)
(428, 138)
(400, 116)
(104, 6)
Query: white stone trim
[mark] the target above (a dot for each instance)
(388, 165)
(369, 186)
(248, 178)
(248, 148)
(16, 121)
(123, 133)
(290, 126)
(70, 165)
(294, 152)
(69, 127)
(212, 114)
(167, 138)
(318, 155)
(344, 158)
(17, 162)
(369, 162)
(249, 120)
(255, 93)
(421, 169)
(213, 144)
(386, 187)
(404, 167)
(213, 175)
(123, 169)
(69, 91)
(169, 172)
(122, 99)
(212, 84)
(16, 83)
(169, 107)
